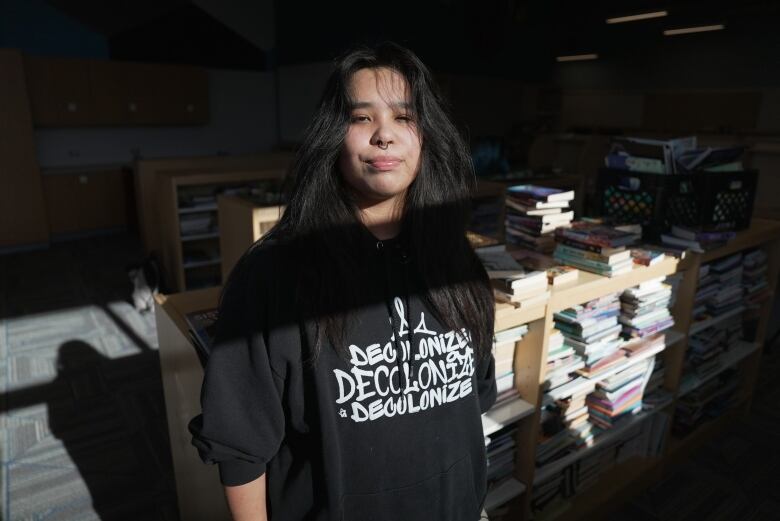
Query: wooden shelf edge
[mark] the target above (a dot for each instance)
(505, 414)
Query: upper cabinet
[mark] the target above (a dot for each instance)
(70, 92)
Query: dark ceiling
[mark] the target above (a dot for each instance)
(476, 35)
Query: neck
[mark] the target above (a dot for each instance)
(383, 219)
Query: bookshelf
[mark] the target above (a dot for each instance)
(626, 478)
(627, 473)
(198, 489)
(193, 256)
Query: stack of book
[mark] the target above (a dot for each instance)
(754, 281)
(525, 289)
(533, 213)
(561, 362)
(197, 224)
(592, 331)
(574, 416)
(596, 248)
(706, 346)
(512, 282)
(729, 294)
(500, 448)
(696, 240)
(645, 309)
(705, 402)
(707, 286)
(555, 441)
(655, 395)
(504, 355)
(619, 396)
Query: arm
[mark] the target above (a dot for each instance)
(247, 502)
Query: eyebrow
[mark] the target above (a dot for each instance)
(368, 104)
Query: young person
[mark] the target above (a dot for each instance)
(352, 356)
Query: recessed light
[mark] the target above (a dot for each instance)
(576, 57)
(698, 29)
(637, 17)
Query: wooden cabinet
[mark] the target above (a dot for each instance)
(59, 91)
(71, 92)
(84, 201)
(22, 210)
(243, 222)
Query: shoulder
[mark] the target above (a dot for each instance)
(263, 275)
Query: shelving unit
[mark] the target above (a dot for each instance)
(195, 259)
(512, 500)
(631, 477)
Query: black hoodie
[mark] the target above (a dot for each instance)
(380, 435)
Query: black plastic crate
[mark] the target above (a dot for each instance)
(712, 200)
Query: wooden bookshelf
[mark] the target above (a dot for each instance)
(193, 260)
(627, 477)
(198, 489)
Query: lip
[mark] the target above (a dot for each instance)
(384, 163)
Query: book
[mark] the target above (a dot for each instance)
(540, 193)
(597, 234)
(582, 245)
(613, 258)
(202, 325)
(647, 257)
(694, 235)
(558, 275)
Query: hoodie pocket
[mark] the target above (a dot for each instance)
(447, 496)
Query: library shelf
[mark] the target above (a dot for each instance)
(199, 237)
(730, 358)
(201, 263)
(198, 209)
(701, 325)
(760, 232)
(631, 476)
(591, 286)
(502, 494)
(547, 471)
(502, 415)
(680, 446)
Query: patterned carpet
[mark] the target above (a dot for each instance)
(82, 419)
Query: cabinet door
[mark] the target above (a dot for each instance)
(109, 92)
(166, 94)
(88, 201)
(59, 91)
(62, 203)
(102, 200)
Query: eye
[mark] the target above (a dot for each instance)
(404, 117)
(359, 118)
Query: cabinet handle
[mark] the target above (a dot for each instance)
(190, 108)
(132, 107)
(72, 106)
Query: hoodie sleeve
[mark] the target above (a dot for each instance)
(242, 422)
(486, 382)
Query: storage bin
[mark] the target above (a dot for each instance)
(710, 200)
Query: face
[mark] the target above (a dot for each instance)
(381, 152)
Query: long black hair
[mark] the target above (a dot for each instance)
(322, 216)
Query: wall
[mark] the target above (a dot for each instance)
(38, 28)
